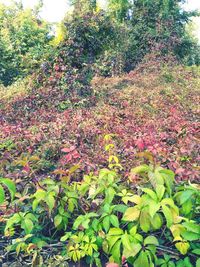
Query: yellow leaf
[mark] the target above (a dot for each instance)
(131, 214)
(34, 158)
(182, 247)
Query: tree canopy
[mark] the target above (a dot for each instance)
(139, 27)
(24, 36)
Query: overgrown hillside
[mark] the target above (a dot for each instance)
(147, 109)
(147, 116)
(99, 142)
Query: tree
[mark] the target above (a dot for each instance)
(24, 38)
(83, 6)
(157, 25)
(120, 9)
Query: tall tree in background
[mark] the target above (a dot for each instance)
(120, 9)
(83, 6)
(24, 38)
(158, 24)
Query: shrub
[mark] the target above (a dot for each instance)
(155, 223)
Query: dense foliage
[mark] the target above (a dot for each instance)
(155, 112)
(87, 37)
(24, 37)
(108, 42)
(70, 138)
(148, 25)
(103, 217)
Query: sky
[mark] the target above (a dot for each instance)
(54, 10)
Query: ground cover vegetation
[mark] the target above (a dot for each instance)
(99, 146)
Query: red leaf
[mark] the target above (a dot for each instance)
(76, 155)
(26, 168)
(68, 157)
(67, 150)
(180, 170)
(140, 144)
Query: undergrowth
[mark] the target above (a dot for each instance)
(103, 217)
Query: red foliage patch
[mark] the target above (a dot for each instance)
(144, 112)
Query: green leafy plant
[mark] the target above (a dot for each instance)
(145, 225)
(188, 197)
(8, 184)
(25, 220)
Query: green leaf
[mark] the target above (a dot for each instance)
(10, 185)
(159, 180)
(190, 236)
(153, 208)
(187, 207)
(31, 216)
(185, 196)
(192, 227)
(116, 252)
(151, 240)
(112, 240)
(48, 181)
(2, 195)
(196, 251)
(95, 224)
(40, 194)
(92, 214)
(57, 220)
(142, 260)
(78, 221)
(160, 190)
(106, 223)
(71, 205)
(115, 231)
(126, 242)
(145, 221)
(140, 169)
(156, 221)
(106, 208)
(110, 193)
(168, 215)
(133, 230)
(27, 225)
(50, 200)
(35, 204)
(85, 223)
(168, 176)
(171, 264)
(131, 214)
(134, 199)
(65, 237)
(151, 193)
(169, 202)
(198, 263)
(160, 262)
(18, 248)
(120, 208)
(135, 248)
(13, 220)
(114, 220)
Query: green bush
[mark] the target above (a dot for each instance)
(153, 224)
(24, 40)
